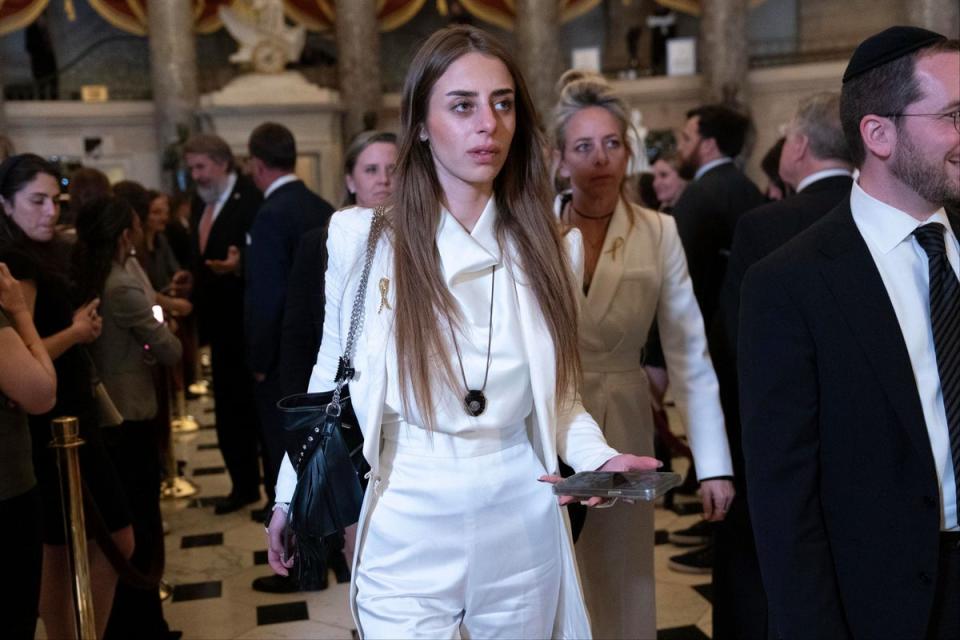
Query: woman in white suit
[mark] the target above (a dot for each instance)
(635, 272)
(466, 368)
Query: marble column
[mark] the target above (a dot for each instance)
(942, 16)
(173, 69)
(723, 50)
(358, 64)
(537, 31)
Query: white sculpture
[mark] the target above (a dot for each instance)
(637, 133)
(265, 40)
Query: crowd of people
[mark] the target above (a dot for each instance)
(532, 306)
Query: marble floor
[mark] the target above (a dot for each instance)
(211, 561)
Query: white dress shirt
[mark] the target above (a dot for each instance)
(222, 200)
(467, 260)
(904, 268)
(279, 182)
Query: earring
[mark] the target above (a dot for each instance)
(423, 136)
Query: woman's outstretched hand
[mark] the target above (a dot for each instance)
(276, 553)
(621, 462)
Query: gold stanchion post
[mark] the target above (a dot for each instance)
(175, 485)
(66, 440)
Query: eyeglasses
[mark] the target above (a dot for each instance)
(954, 115)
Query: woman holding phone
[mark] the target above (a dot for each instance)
(467, 366)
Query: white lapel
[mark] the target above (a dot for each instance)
(380, 301)
(542, 361)
(610, 265)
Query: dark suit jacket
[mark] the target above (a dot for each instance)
(290, 212)
(759, 232)
(706, 215)
(219, 298)
(843, 489)
(303, 316)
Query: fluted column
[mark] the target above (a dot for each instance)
(942, 16)
(358, 64)
(537, 30)
(723, 50)
(173, 68)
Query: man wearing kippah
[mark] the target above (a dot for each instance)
(849, 365)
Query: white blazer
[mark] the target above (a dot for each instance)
(570, 432)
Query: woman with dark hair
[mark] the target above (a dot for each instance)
(636, 272)
(368, 166)
(776, 189)
(667, 181)
(30, 192)
(468, 367)
(28, 384)
(133, 341)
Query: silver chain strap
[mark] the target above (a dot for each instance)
(345, 371)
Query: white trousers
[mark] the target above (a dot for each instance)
(463, 542)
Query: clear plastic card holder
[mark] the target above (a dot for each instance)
(631, 485)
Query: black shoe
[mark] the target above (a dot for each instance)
(698, 561)
(233, 503)
(693, 536)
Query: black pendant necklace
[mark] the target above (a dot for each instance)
(475, 402)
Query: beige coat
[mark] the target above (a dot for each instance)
(641, 275)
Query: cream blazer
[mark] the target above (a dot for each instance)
(642, 275)
(570, 432)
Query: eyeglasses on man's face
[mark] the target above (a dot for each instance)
(951, 115)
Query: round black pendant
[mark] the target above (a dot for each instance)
(475, 402)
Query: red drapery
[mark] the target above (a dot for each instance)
(131, 15)
(17, 14)
(320, 15)
(502, 12)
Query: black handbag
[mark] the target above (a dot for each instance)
(325, 446)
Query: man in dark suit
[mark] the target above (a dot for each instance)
(288, 211)
(223, 212)
(816, 164)
(849, 378)
(719, 194)
(706, 215)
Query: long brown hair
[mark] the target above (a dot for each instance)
(523, 199)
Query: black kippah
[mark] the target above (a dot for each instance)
(887, 46)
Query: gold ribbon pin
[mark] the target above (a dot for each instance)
(617, 245)
(384, 288)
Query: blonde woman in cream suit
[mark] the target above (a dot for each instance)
(457, 538)
(635, 272)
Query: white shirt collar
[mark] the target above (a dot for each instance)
(462, 252)
(710, 165)
(884, 225)
(279, 182)
(820, 175)
(231, 183)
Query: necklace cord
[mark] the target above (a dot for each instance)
(456, 346)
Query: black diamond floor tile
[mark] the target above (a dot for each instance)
(196, 591)
(205, 501)
(286, 612)
(201, 540)
(354, 634)
(661, 536)
(260, 557)
(208, 446)
(209, 471)
(690, 632)
(705, 590)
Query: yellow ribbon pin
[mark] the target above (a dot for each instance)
(617, 245)
(384, 288)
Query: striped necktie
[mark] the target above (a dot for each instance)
(945, 319)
